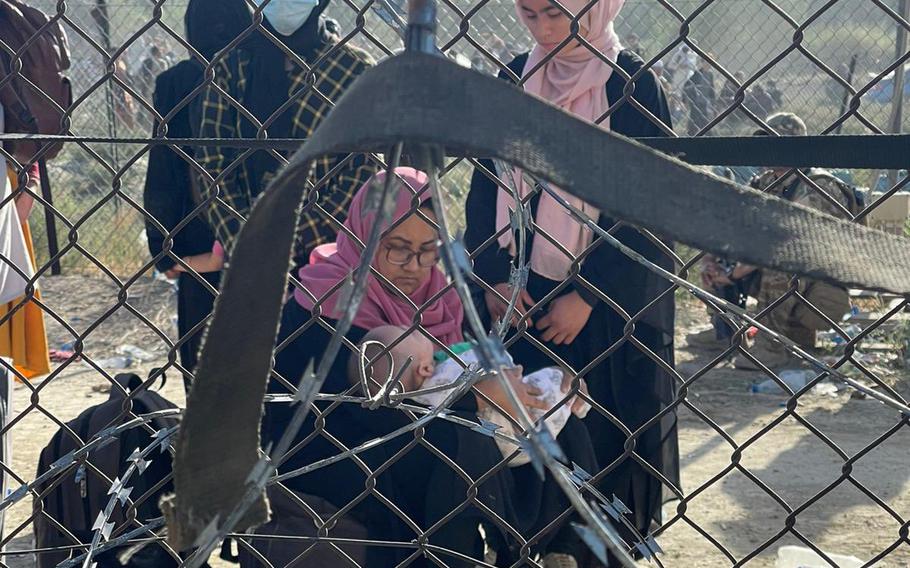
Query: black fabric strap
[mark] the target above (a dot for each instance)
(869, 151)
(865, 151)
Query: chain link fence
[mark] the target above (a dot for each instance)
(827, 471)
(855, 39)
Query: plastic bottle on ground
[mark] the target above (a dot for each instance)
(795, 379)
(801, 557)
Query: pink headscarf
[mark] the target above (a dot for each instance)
(574, 79)
(442, 319)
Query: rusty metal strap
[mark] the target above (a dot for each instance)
(469, 114)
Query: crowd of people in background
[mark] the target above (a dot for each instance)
(696, 90)
(699, 91)
(618, 417)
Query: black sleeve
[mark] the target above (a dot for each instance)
(194, 111)
(605, 262)
(491, 263)
(308, 347)
(162, 195)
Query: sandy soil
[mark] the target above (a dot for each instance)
(795, 456)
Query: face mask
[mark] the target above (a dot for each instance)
(286, 16)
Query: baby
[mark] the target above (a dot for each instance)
(428, 370)
(413, 345)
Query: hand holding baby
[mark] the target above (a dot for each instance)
(580, 406)
(494, 393)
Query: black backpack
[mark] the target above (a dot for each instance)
(68, 505)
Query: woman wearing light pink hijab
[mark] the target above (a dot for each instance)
(629, 382)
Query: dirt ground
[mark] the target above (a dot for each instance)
(725, 501)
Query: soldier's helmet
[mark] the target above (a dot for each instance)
(785, 124)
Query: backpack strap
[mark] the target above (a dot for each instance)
(128, 381)
(12, 100)
(790, 191)
(855, 203)
(131, 381)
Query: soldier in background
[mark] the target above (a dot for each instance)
(700, 95)
(727, 96)
(793, 317)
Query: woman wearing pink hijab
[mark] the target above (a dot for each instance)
(631, 385)
(409, 288)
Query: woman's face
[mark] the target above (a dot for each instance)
(408, 253)
(547, 23)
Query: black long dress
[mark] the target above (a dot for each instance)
(629, 385)
(168, 197)
(422, 483)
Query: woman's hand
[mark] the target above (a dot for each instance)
(493, 389)
(497, 307)
(566, 317)
(580, 406)
(202, 263)
(741, 270)
(711, 273)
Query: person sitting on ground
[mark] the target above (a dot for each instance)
(798, 317)
(407, 286)
(414, 353)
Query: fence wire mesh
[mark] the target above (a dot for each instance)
(742, 36)
(826, 470)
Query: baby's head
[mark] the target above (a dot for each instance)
(413, 345)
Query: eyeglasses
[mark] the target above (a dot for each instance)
(402, 256)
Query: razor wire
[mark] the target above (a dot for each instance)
(138, 90)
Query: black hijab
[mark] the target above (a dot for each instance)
(212, 24)
(268, 82)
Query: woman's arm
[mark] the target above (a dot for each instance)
(24, 200)
(491, 263)
(219, 120)
(601, 266)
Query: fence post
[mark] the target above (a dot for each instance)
(102, 19)
(53, 247)
(851, 71)
(421, 34)
(897, 92)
